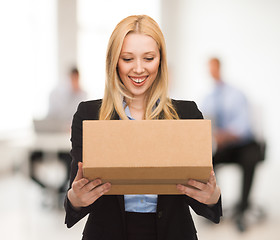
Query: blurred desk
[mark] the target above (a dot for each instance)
(50, 160)
(23, 149)
(51, 142)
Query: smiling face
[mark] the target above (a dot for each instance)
(138, 63)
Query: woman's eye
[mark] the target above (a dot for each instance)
(149, 58)
(127, 59)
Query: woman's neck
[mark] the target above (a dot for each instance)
(136, 108)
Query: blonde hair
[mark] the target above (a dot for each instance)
(115, 90)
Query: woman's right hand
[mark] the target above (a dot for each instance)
(85, 192)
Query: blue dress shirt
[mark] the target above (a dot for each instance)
(139, 203)
(228, 108)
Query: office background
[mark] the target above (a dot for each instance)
(42, 39)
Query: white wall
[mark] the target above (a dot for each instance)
(244, 34)
(27, 60)
(67, 30)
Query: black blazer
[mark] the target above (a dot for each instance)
(106, 219)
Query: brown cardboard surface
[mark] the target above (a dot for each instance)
(149, 156)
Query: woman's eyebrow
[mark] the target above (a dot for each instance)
(150, 52)
(122, 54)
(126, 53)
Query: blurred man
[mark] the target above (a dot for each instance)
(64, 100)
(229, 111)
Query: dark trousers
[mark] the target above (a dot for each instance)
(247, 157)
(141, 226)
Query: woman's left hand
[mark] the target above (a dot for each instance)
(207, 193)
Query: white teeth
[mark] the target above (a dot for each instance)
(137, 80)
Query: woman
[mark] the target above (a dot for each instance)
(136, 88)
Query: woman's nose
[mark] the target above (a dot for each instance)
(138, 68)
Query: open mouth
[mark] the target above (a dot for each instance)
(138, 81)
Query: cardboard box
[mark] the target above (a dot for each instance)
(149, 156)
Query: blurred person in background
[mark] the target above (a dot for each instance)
(64, 99)
(229, 110)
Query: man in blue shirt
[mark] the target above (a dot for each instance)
(229, 111)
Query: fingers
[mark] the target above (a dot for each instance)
(79, 181)
(191, 192)
(89, 193)
(202, 186)
(79, 174)
(90, 197)
(99, 191)
(91, 185)
(212, 178)
(207, 193)
(85, 192)
(77, 185)
(196, 184)
(84, 185)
